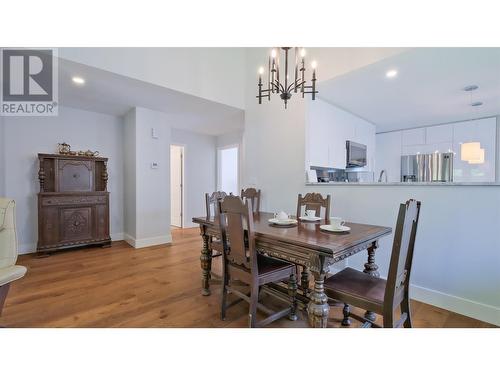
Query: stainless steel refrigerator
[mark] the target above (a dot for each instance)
(436, 167)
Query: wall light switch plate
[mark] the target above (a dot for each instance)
(154, 134)
(154, 165)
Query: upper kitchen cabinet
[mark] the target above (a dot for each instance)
(474, 143)
(388, 156)
(413, 137)
(439, 134)
(327, 130)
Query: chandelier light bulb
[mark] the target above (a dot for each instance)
(273, 53)
(302, 52)
(261, 70)
(314, 64)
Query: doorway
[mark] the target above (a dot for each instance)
(177, 185)
(228, 169)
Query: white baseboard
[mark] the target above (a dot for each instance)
(145, 242)
(473, 309)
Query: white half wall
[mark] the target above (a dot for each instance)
(25, 137)
(199, 171)
(454, 267)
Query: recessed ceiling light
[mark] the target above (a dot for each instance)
(78, 80)
(476, 104)
(391, 73)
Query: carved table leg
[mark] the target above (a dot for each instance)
(371, 269)
(304, 281)
(318, 308)
(206, 265)
(292, 292)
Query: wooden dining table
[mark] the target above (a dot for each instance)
(304, 244)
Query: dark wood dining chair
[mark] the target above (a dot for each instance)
(242, 262)
(311, 201)
(212, 207)
(212, 201)
(373, 293)
(314, 201)
(252, 195)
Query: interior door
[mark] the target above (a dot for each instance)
(176, 173)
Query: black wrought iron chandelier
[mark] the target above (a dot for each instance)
(285, 87)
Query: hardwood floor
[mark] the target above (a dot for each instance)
(157, 286)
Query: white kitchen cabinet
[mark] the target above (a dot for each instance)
(441, 138)
(427, 148)
(328, 129)
(412, 149)
(439, 134)
(413, 137)
(365, 134)
(341, 132)
(484, 132)
(388, 155)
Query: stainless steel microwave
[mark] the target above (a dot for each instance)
(356, 154)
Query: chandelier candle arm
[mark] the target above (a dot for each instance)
(269, 77)
(278, 66)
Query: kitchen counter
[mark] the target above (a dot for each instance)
(402, 184)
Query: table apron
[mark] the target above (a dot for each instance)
(297, 254)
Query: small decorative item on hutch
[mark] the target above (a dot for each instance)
(63, 148)
(91, 153)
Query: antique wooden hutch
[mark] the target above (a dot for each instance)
(73, 203)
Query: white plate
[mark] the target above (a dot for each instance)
(308, 218)
(282, 222)
(329, 228)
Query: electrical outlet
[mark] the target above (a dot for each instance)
(154, 165)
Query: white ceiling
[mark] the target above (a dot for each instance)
(428, 89)
(114, 94)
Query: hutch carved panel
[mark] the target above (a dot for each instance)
(73, 203)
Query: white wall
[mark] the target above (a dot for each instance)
(199, 171)
(152, 185)
(230, 139)
(25, 137)
(455, 267)
(129, 160)
(212, 73)
(388, 155)
(328, 127)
